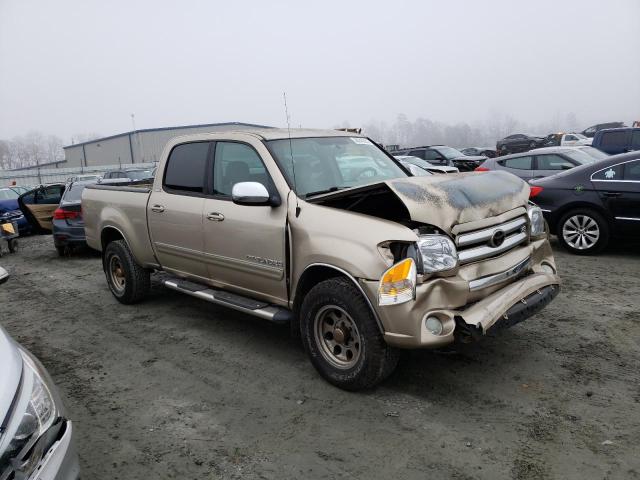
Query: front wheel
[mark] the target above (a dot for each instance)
(342, 338)
(127, 280)
(583, 232)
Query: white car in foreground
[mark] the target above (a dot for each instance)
(36, 440)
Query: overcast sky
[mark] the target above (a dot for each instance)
(69, 67)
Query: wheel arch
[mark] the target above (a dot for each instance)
(316, 273)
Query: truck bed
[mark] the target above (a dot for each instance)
(123, 209)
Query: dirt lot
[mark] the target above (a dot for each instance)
(178, 388)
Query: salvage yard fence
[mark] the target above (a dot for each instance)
(43, 176)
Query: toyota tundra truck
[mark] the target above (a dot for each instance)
(326, 231)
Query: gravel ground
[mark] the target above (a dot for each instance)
(178, 388)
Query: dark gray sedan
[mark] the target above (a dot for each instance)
(541, 162)
(68, 225)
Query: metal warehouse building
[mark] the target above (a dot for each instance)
(138, 146)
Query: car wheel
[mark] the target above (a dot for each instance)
(13, 245)
(127, 280)
(583, 232)
(61, 251)
(342, 338)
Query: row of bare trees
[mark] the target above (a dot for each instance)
(35, 149)
(422, 131)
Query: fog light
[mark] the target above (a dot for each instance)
(434, 325)
(548, 269)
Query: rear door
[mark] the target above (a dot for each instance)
(244, 244)
(550, 164)
(619, 189)
(39, 204)
(174, 211)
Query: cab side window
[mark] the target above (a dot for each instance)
(235, 163)
(186, 168)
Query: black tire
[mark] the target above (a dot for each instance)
(375, 359)
(61, 251)
(128, 281)
(13, 245)
(586, 213)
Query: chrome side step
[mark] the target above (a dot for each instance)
(257, 308)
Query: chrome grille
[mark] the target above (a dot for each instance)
(491, 241)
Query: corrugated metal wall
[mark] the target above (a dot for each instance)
(146, 146)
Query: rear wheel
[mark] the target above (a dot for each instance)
(342, 338)
(61, 251)
(127, 280)
(583, 232)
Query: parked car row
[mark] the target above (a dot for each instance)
(442, 155)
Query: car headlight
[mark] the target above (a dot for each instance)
(438, 253)
(398, 283)
(38, 416)
(536, 220)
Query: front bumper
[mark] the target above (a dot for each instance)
(61, 461)
(464, 309)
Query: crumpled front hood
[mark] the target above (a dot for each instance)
(447, 200)
(10, 372)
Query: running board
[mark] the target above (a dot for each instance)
(237, 302)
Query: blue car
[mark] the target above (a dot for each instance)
(9, 203)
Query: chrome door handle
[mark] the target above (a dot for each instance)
(215, 216)
(158, 208)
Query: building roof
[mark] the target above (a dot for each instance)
(203, 125)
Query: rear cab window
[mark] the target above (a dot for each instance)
(185, 172)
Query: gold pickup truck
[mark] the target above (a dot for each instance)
(326, 231)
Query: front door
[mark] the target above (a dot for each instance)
(175, 211)
(244, 245)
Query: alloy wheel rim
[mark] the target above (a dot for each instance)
(337, 336)
(116, 271)
(581, 232)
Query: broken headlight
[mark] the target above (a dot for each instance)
(536, 220)
(438, 253)
(39, 412)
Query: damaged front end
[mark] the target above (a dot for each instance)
(480, 255)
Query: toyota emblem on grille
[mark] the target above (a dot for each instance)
(497, 238)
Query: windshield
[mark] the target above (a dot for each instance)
(449, 153)
(580, 157)
(8, 194)
(139, 174)
(594, 152)
(326, 164)
(579, 135)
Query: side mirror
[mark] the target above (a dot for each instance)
(250, 193)
(4, 275)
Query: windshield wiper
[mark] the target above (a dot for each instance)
(320, 192)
